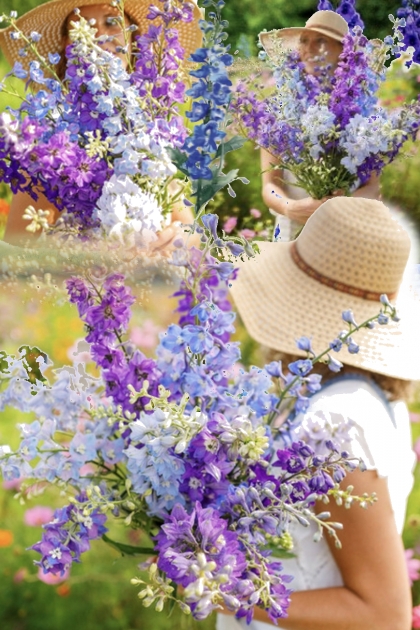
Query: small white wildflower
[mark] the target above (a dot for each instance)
(38, 219)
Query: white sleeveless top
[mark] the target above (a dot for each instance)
(288, 228)
(355, 414)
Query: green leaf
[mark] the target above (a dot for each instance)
(3, 362)
(278, 552)
(128, 550)
(178, 158)
(237, 142)
(208, 190)
(31, 364)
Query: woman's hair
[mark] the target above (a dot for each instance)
(62, 64)
(396, 388)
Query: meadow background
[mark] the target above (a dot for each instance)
(99, 593)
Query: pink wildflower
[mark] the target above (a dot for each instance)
(38, 515)
(51, 579)
(416, 617)
(417, 449)
(255, 213)
(145, 336)
(230, 224)
(413, 566)
(20, 575)
(12, 484)
(247, 233)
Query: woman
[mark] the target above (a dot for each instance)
(52, 21)
(318, 43)
(294, 289)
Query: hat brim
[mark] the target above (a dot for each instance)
(279, 303)
(48, 19)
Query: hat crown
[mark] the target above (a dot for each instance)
(355, 241)
(48, 19)
(328, 20)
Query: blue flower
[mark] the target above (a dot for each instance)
(202, 311)
(274, 369)
(198, 339)
(313, 383)
(172, 339)
(333, 364)
(304, 343)
(210, 222)
(383, 319)
(54, 58)
(353, 348)
(302, 367)
(349, 317)
(35, 72)
(199, 111)
(235, 248)
(336, 345)
(197, 165)
(82, 447)
(18, 71)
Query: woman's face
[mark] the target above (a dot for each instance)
(317, 50)
(106, 24)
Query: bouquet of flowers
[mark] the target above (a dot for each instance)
(96, 143)
(180, 446)
(328, 130)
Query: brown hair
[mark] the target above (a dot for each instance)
(396, 388)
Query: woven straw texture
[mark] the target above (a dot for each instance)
(48, 18)
(352, 240)
(326, 22)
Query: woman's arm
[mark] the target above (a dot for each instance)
(376, 592)
(370, 190)
(275, 197)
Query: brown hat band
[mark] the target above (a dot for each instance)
(335, 284)
(324, 27)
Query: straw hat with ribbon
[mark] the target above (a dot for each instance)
(48, 19)
(327, 23)
(349, 253)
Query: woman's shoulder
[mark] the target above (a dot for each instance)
(354, 397)
(356, 414)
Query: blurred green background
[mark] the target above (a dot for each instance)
(99, 593)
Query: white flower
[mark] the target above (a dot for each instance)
(124, 208)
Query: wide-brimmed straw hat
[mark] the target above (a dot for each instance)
(48, 19)
(327, 23)
(350, 252)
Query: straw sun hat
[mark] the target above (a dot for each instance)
(327, 23)
(349, 253)
(48, 19)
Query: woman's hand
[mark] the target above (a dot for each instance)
(300, 210)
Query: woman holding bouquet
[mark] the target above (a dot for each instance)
(319, 45)
(364, 585)
(52, 20)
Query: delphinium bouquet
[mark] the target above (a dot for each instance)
(329, 130)
(181, 446)
(96, 143)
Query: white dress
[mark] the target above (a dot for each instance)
(288, 228)
(356, 414)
